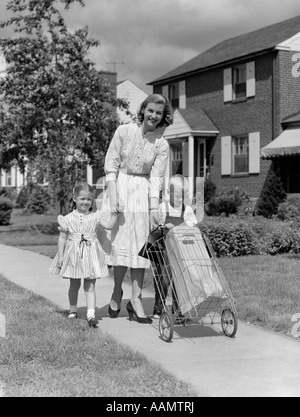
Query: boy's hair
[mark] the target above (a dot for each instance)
(179, 182)
(81, 186)
(157, 99)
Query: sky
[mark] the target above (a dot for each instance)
(144, 39)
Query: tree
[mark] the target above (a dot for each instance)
(59, 112)
(271, 196)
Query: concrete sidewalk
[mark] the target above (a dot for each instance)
(257, 363)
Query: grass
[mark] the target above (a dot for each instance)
(45, 355)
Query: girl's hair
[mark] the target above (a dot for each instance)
(157, 99)
(81, 186)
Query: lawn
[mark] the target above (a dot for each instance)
(45, 355)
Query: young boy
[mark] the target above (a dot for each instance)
(171, 213)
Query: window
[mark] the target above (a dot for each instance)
(174, 95)
(240, 155)
(239, 81)
(8, 178)
(176, 159)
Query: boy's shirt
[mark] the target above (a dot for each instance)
(165, 208)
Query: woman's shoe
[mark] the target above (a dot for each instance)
(131, 312)
(113, 314)
(92, 322)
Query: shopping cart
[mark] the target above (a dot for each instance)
(191, 285)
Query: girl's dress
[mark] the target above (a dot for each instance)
(83, 254)
(137, 162)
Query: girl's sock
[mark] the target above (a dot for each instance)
(73, 309)
(90, 313)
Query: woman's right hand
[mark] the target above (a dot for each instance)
(60, 261)
(112, 195)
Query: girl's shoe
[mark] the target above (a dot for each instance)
(113, 314)
(131, 312)
(72, 315)
(92, 322)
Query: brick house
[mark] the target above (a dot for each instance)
(231, 102)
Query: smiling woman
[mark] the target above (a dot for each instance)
(135, 165)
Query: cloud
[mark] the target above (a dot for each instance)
(144, 39)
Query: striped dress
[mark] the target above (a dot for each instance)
(83, 254)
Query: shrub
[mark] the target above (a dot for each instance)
(272, 195)
(8, 192)
(22, 198)
(34, 199)
(209, 190)
(48, 229)
(290, 209)
(231, 239)
(6, 207)
(226, 202)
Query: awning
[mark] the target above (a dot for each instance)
(286, 144)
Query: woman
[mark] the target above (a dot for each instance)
(135, 165)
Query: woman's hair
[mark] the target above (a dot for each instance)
(157, 99)
(81, 186)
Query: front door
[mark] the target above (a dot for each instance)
(200, 158)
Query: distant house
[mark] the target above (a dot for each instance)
(135, 96)
(237, 110)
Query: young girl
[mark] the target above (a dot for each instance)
(80, 254)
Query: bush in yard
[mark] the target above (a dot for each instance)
(33, 198)
(231, 239)
(209, 190)
(271, 196)
(8, 192)
(22, 198)
(48, 229)
(6, 207)
(226, 202)
(290, 209)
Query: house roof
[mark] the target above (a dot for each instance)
(240, 46)
(295, 118)
(198, 120)
(190, 122)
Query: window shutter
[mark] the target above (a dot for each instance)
(250, 79)
(165, 91)
(228, 93)
(182, 95)
(254, 153)
(226, 155)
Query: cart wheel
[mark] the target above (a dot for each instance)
(166, 326)
(229, 322)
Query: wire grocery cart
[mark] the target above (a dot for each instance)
(189, 280)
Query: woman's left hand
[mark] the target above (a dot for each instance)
(154, 220)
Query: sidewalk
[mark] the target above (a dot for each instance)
(257, 363)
